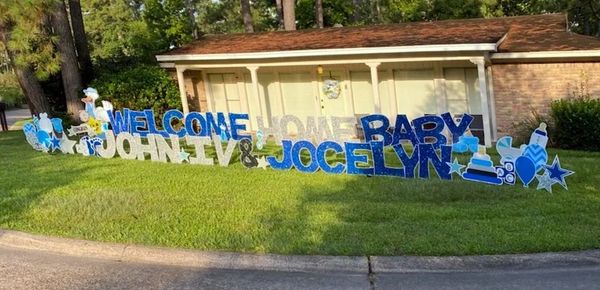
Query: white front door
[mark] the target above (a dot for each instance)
(332, 93)
(225, 92)
(414, 92)
(298, 94)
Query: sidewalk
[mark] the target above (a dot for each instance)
(14, 115)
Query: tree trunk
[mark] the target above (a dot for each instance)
(289, 15)
(34, 94)
(356, 17)
(69, 70)
(377, 14)
(279, 14)
(81, 44)
(319, 13)
(191, 10)
(247, 16)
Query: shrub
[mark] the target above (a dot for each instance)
(139, 87)
(523, 129)
(577, 123)
(10, 91)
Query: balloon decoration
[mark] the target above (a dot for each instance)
(525, 168)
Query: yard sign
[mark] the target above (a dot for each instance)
(317, 143)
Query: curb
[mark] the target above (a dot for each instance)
(184, 258)
(272, 262)
(407, 264)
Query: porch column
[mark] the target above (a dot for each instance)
(375, 85)
(182, 92)
(485, 109)
(256, 92)
(490, 77)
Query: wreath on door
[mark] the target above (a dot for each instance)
(332, 88)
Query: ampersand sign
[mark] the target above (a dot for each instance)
(247, 159)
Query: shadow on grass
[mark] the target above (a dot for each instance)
(395, 216)
(381, 215)
(48, 173)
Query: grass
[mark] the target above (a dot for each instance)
(235, 209)
(20, 123)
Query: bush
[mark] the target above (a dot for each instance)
(10, 91)
(138, 88)
(522, 130)
(577, 123)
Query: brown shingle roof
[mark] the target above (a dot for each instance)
(523, 33)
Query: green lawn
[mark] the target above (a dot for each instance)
(20, 123)
(235, 209)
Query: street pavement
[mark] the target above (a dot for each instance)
(586, 277)
(15, 115)
(30, 269)
(34, 269)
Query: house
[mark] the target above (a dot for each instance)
(498, 70)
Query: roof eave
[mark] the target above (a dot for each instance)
(547, 55)
(465, 47)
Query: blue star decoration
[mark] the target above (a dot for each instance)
(558, 173)
(54, 143)
(545, 182)
(455, 166)
(184, 156)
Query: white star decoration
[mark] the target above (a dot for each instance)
(81, 148)
(184, 156)
(545, 182)
(262, 163)
(66, 146)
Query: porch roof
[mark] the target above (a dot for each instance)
(506, 34)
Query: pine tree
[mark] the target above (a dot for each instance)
(21, 38)
(289, 14)
(247, 16)
(81, 43)
(69, 69)
(319, 13)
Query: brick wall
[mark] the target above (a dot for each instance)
(521, 88)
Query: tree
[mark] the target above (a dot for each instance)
(376, 10)
(584, 15)
(220, 16)
(334, 12)
(356, 17)
(11, 19)
(289, 15)
(247, 16)
(71, 77)
(279, 8)
(169, 20)
(319, 13)
(455, 9)
(191, 11)
(81, 43)
(29, 83)
(117, 32)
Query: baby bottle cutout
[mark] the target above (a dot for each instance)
(539, 136)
